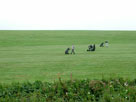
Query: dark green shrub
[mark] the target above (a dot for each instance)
(113, 90)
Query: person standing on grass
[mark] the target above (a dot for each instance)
(73, 48)
(106, 43)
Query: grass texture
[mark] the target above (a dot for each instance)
(39, 55)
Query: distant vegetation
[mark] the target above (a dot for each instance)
(112, 90)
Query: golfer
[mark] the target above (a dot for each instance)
(73, 48)
(106, 43)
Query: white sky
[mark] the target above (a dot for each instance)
(67, 14)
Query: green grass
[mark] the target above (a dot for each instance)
(39, 55)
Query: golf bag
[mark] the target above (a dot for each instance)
(67, 51)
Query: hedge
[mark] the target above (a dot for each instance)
(105, 90)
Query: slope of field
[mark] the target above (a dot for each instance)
(39, 55)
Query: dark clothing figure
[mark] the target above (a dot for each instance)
(106, 41)
(67, 51)
(91, 48)
(73, 48)
(102, 44)
(73, 51)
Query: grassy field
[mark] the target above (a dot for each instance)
(39, 55)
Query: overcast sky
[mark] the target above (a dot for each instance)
(67, 14)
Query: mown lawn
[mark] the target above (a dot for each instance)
(39, 55)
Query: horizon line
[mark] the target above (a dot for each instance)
(63, 30)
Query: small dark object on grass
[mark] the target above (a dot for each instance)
(91, 48)
(67, 51)
(102, 44)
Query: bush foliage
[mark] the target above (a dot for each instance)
(112, 90)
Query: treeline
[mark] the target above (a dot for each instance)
(111, 90)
